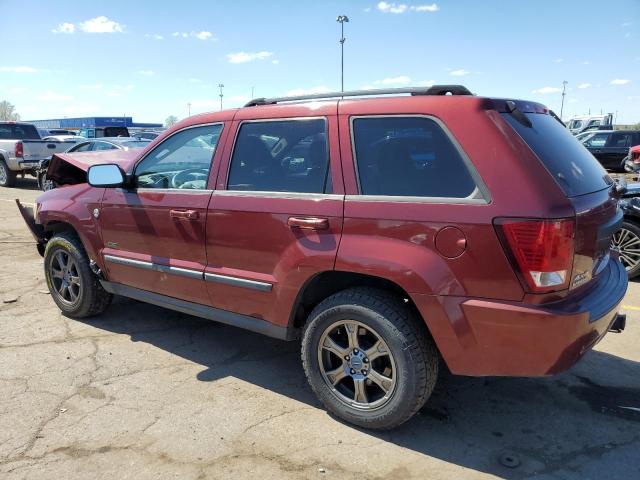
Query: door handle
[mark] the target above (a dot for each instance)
(308, 223)
(597, 151)
(186, 214)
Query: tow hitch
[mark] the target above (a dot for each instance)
(619, 323)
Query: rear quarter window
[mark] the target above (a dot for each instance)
(409, 157)
(572, 166)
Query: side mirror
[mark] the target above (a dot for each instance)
(107, 175)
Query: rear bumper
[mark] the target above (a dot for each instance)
(487, 337)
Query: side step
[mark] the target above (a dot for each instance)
(203, 311)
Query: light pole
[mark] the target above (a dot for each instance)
(221, 86)
(341, 20)
(564, 92)
(189, 109)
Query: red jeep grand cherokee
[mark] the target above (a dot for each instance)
(385, 232)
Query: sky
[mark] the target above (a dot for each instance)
(150, 59)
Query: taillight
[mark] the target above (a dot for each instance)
(19, 150)
(542, 251)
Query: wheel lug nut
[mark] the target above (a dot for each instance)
(355, 350)
(364, 372)
(346, 357)
(353, 371)
(365, 360)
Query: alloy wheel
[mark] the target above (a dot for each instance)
(357, 365)
(3, 175)
(65, 277)
(627, 244)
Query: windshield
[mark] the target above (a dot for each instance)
(567, 160)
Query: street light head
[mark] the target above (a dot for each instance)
(342, 19)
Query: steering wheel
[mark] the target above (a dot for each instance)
(189, 175)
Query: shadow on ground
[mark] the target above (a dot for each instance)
(26, 183)
(510, 427)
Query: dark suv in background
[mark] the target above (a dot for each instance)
(612, 148)
(387, 234)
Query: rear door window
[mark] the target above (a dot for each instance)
(571, 165)
(619, 140)
(281, 156)
(409, 157)
(598, 140)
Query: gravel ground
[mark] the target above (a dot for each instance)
(142, 392)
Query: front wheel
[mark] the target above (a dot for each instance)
(73, 286)
(626, 242)
(367, 358)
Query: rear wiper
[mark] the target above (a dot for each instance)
(512, 109)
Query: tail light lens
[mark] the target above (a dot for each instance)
(542, 251)
(19, 150)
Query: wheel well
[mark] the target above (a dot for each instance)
(325, 284)
(55, 227)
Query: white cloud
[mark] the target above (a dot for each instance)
(203, 35)
(459, 73)
(195, 80)
(386, 7)
(619, 81)
(237, 99)
(546, 90)
(558, 60)
(21, 69)
(427, 83)
(627, 24)
(307, 91)
(244, 57)
(584, 85)
(155, 36)
(275, 62)
(586, 62)
(16, 90)
(400, 80)
(101, 24)
(65, 28)
(205, 104)
(119, 90)
(573, 100)
(50, 96)
(426, 8)
(95, 86)
(146, 73)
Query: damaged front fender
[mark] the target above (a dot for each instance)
(28, 212)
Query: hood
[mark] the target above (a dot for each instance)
(71, 168)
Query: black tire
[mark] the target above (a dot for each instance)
(629, 232)
(412, 349)
(91, 299)
(7, 177)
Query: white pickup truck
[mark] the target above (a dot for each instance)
(22, 150)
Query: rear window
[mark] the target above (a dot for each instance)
(409, 157)
(18, 132)
(571, 165)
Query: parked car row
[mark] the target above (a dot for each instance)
(388, 234)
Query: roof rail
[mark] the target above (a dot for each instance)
(434, 90)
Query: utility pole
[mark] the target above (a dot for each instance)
(341, 20)
(564, 92)
(189, 109)
(252, 97)
(221, 86)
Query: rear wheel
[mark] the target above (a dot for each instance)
(7, 177)
(626, 242)
(368, 359)
(73, 286)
